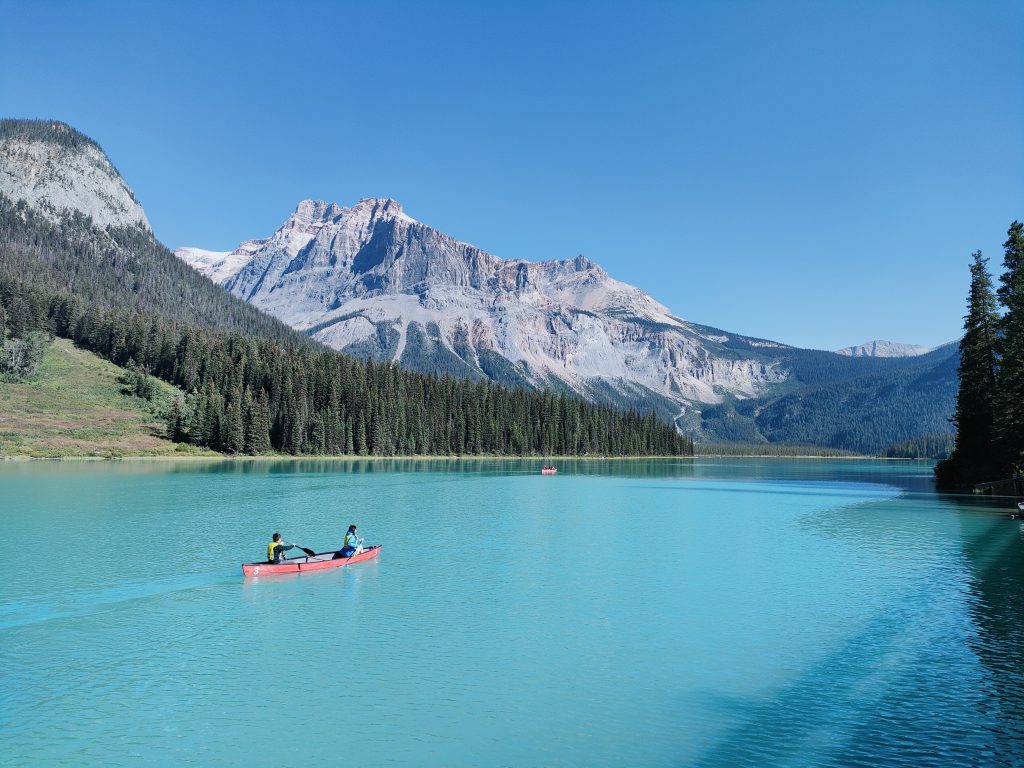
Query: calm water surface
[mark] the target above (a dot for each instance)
(646, 613)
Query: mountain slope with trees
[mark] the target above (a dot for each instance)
(253, 384)
(372, 281)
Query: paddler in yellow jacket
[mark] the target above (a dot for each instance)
(276, 547)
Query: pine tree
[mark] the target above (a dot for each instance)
(232, 426)
(349, 441)
(176, 421)
(975, 402)
(1009, 421)
(257, 430)
(361, 447)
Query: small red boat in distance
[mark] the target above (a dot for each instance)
(548, 470)
(318, 562)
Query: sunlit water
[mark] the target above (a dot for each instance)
(642, 613)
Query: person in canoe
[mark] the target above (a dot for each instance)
(276, 548)
(352, 545)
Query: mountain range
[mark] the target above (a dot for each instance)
(372, 281)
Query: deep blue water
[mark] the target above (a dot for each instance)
(703, 612)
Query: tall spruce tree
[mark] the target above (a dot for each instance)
(257, 427)
(975, 402)
(176, 420)
(1009, 419)
(232, 425)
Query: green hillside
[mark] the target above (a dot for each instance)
(78, 404)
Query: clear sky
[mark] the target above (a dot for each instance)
(812, 172)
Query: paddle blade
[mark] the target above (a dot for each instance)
(309, 552)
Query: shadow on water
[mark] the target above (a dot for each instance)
(996, 557)
(885, 696)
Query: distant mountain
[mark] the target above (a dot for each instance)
(373, 281)
(880, 348)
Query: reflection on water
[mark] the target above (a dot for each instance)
(705, 612)
(993, 550)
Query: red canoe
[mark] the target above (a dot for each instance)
(318, 562)
(549, 471)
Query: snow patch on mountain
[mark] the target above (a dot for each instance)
(217, 265)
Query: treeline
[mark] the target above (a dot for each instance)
(990, 401)
(251, 395)
(770, 449)
(51, 131)
(923, 447)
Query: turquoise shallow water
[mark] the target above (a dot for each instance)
(645, 613)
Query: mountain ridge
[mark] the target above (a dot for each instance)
(373, 281)
(569, 325)
(70, 222)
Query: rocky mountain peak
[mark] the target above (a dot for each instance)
(315, 211)
(369, 280)
(380, 207)
(320, 212)
(56, 169)
(582, 264)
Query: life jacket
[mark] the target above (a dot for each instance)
(270, 550)
(351, 540)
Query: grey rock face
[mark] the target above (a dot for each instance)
(54, 176)
(370, 279)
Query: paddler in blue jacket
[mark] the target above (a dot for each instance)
(352, 545)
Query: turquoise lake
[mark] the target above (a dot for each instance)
(705, 612)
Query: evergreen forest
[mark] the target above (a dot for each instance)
(989, 414)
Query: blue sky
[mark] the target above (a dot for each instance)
(816, 173)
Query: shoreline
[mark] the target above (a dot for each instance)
(17, 458)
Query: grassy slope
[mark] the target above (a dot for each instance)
(75, 407)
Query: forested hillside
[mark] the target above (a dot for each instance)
(853, 404)
(124, 267)
(255, 385)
